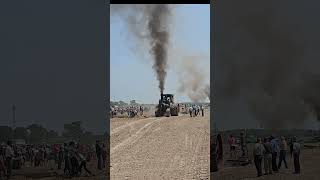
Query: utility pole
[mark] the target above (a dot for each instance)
(13, 120)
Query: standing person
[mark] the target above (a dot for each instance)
(232, 142)
(202, 110)
(219, 149)
(198, 110)
(291, 147)
(243, 144)
(3, 168)
(296, 156)
(67, 164)
(99, 154)
(190, 111)
(104, 156)
(73, 158)
(275, 152)
(60, 157)
(141, 110)
(267, 156)
(9, 154)
(258, 153)
(283, 152)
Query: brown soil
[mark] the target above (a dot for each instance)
(160, 148)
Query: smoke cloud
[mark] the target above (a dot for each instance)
(267, 55)
(149, 22)
(192, 80)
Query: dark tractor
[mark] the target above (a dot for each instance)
(166, 106)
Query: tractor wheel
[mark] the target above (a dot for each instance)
(174, 111)
(168, 113)
(157, 114)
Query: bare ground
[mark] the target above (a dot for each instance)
(44, 173)
(160, 148)
(310, 169)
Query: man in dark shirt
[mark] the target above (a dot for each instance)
(99, 154)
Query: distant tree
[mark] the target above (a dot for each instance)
(52, 134)
(133, 102)
(38, 134)
(73, 130)
(5, 133)
(113, 103)
(122, 103)
(87, 137)
(21, 133)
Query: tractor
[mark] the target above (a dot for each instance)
(166, 106)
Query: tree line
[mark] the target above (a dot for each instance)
(36, 133)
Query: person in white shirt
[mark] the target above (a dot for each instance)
(258, 153)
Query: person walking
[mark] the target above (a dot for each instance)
(83, 164)
(296, 156)
(267, 156)
(283, 152)
(258, 153)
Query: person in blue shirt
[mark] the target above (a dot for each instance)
(275, 152)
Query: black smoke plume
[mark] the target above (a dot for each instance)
(149, 22)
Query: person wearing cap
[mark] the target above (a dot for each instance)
(283, 152)
(258, 153)
(296, 155)
(83, 164)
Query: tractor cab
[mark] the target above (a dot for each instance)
(167, 98)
